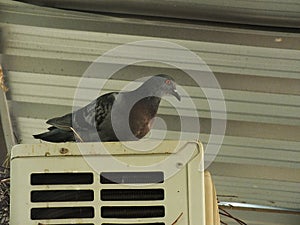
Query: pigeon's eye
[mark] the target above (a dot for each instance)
(168, 82)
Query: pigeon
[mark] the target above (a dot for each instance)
(115, 116)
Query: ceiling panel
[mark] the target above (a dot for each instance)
(86, 46)
(271, 12)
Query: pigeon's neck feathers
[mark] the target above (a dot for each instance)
(150, 88)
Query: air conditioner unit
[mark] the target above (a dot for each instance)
(107, 184)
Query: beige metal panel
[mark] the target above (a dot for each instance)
(23, 78)
(266, 13)
(75, 45)
(275, 173)
(20, 13)
(62, 42)
(234, 105)
(262, 184)
(241, 105)
(261, 196)
(229, 81)
(248, 155)
(258, 217)
(270, 5)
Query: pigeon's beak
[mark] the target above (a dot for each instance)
(175, 93)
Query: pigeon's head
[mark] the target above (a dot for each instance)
(161, 85)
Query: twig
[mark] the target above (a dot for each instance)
(223, 222)
(5, 180)
(177, 219)
(77, 135)
(225, 213)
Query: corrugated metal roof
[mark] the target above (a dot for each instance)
(262, 12)
(259, 161)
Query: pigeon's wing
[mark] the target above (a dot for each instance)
(87, 117)
(103, 107)
(94, 113)
(63, 122)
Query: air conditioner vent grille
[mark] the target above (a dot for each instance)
(62, 195)
(66, 224)
(132, 194)
(61, 178)
(132, 211)
(158, 223)
(62, 213)
(131, 177)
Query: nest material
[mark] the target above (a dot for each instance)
(4, 195)
(2, 80)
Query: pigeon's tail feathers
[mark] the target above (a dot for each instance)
(56, 135)
(51, 128)
(64, 122)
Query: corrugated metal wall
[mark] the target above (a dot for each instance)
(48, 50)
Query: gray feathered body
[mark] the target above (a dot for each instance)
(113, 116)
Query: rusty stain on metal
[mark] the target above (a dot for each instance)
(64, 151)
(179, 165)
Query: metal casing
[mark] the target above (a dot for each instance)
(183, 193)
